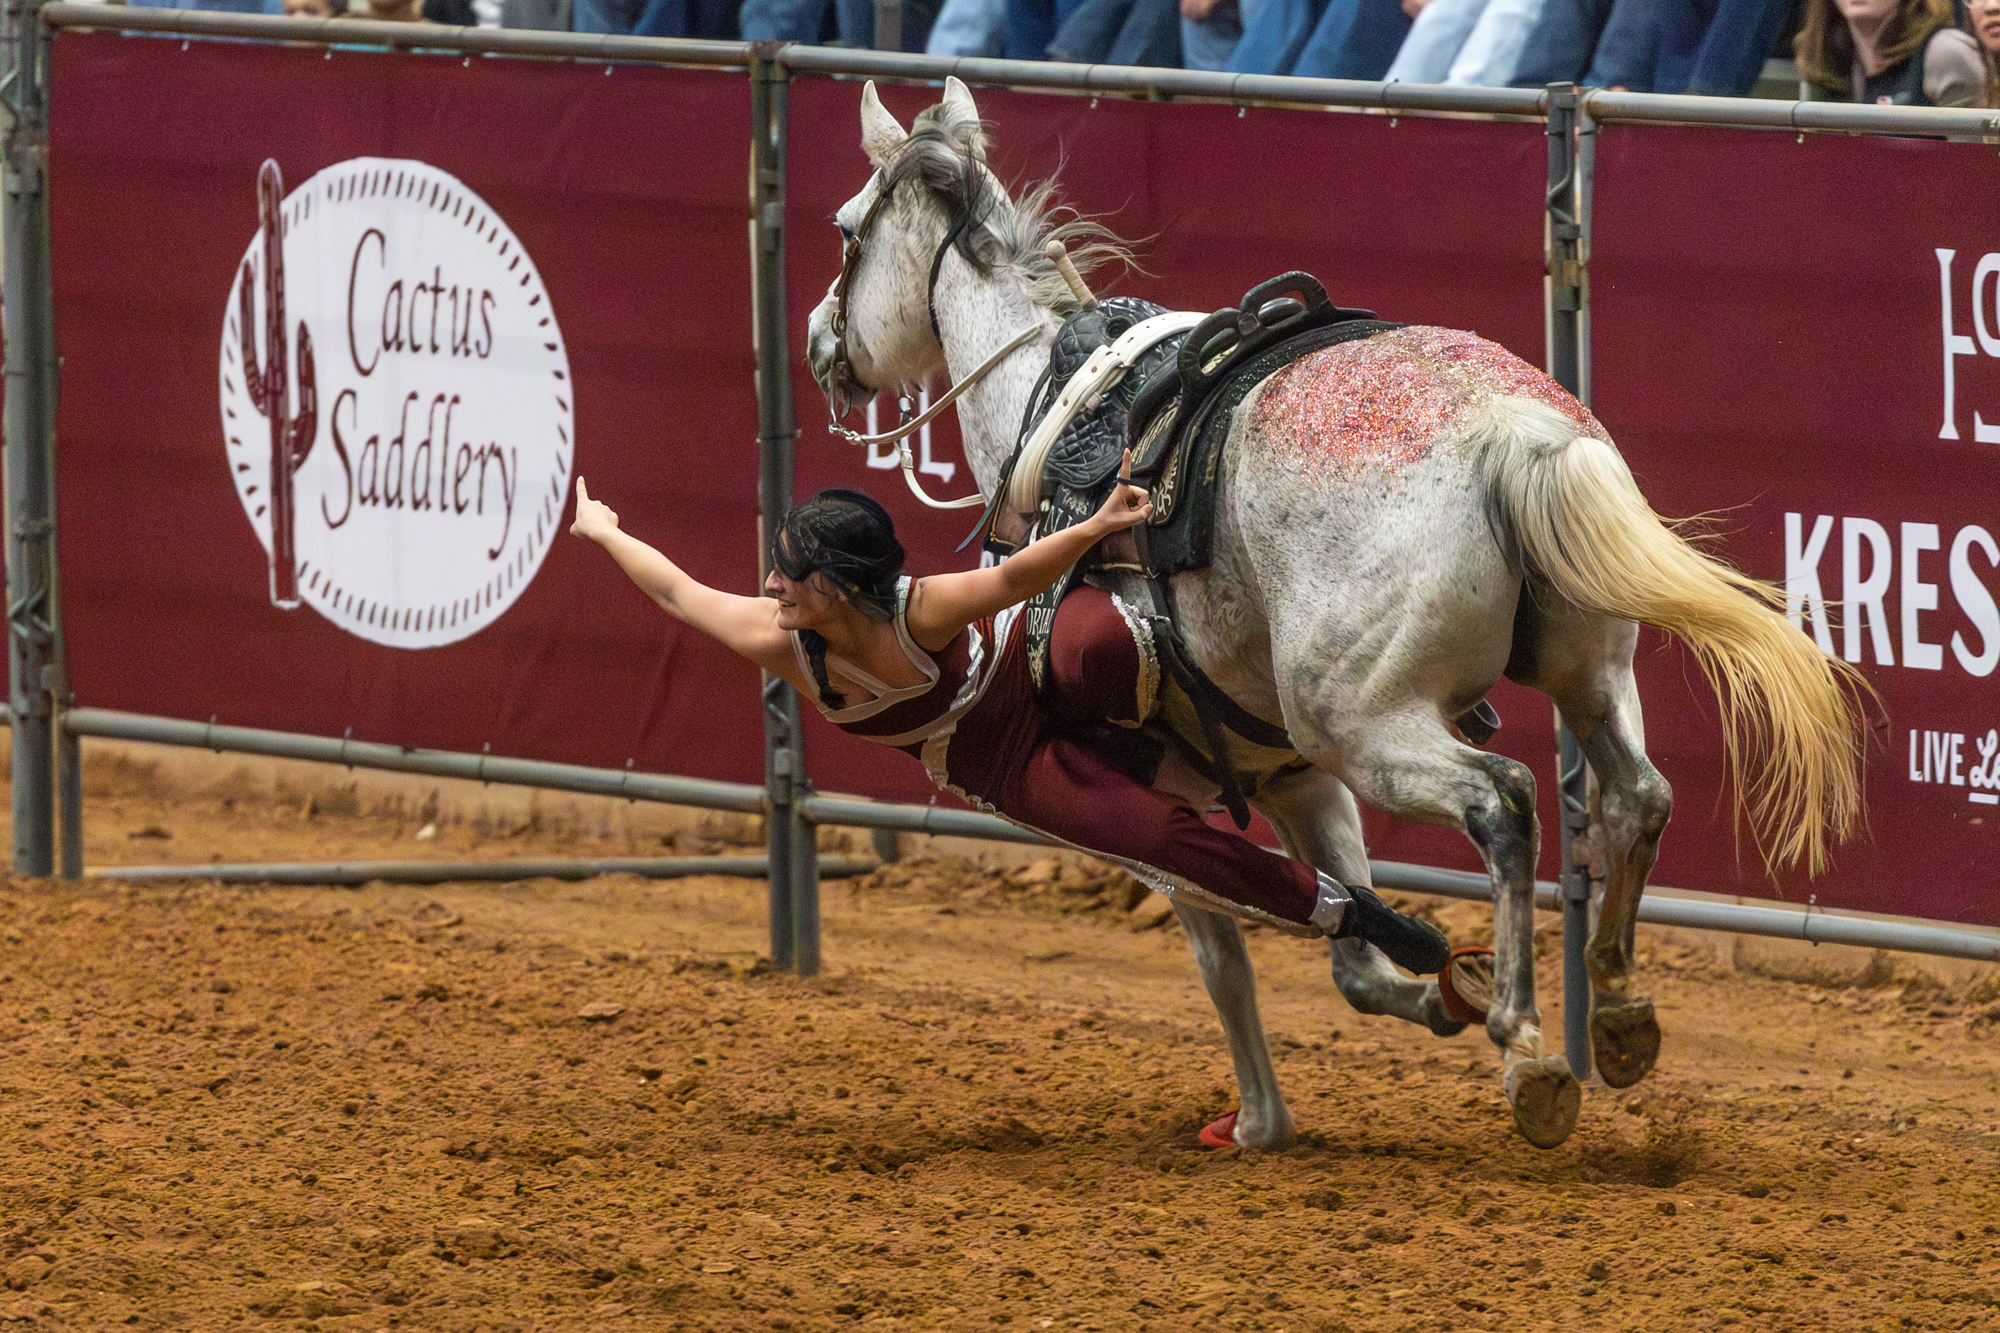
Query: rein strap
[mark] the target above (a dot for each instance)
(900, 436)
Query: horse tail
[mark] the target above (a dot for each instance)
(1793, 718)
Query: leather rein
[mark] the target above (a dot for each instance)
(842, 372)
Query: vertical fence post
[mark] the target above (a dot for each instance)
(69, 799)
(33, 664)
(791, 840)
(1567, 304)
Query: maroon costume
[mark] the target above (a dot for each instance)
(1044, 758)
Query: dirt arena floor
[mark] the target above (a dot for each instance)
(578, 1106)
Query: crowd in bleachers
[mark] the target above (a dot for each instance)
(1907, 52)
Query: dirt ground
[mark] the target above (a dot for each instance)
(325, 1109)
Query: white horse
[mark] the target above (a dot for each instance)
(1402, 520)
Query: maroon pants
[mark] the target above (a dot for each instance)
(1042, 759)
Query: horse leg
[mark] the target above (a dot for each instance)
(1583, 661)
(1317, 821)
(1632, 806)
(1408, 763)
(1264, 1120)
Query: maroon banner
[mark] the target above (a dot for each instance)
(494, 274)
(1422, 220)
(1811, 355)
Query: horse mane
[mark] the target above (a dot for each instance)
(946, 154)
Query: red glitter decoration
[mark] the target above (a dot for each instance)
(1381, 403)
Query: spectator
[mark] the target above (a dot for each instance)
(1274, 32)
(1983, 16)
(1473, 43)
(1121, 32)
(1210, 30)
(308, 9)
(1564, 38)
(806, 20)
(1650, 46)
(219, 6)
(389, 11)
(1437, 33)
(1033, 24)
(713, 20)
(1889, 52)
(784, 20)
(612, 16)
(1740, 38)
(969, 28)
(1354, 39)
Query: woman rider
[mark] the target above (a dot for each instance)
(937, 667)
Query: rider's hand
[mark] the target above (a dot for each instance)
(1127, 505)
(594, 518)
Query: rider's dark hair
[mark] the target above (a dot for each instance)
(851, 539)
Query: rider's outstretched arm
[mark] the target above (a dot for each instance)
(745, 625)
(944, 604)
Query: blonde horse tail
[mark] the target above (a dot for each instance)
(1794, 719)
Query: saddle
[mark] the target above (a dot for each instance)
(1128, 374)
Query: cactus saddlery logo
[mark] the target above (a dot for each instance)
(395, 401)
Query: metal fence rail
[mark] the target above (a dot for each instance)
(1599, 104)
(1779, 923)
(444, 872)
(1867, 932)
(113, 725)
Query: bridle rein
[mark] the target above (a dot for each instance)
(841, 374)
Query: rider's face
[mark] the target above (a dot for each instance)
(806, 603)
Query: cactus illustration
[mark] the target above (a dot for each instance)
(268, 380)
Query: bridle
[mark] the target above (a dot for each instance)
(841, 374)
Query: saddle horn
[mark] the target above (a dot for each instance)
(1058, 254)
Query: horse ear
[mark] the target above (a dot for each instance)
(881, 134)
(963, 117)
(958, 99)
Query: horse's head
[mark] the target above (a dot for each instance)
(933, 203)
(931, 194)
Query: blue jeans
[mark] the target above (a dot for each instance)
(782, 20)
(1562, 42)
(1649, 46)
(1121, 32)
(1032, 25)
(1209, 43)
(1273, 35)
(1739, 39)
(969, 28)
(711, 19)
(222, 6)
(1355, 39)
(612, 16)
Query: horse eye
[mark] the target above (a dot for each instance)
(846, 232)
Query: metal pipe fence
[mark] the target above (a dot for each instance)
(447, 872)
(45, 766)
(1938, 939)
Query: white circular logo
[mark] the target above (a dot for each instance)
(396, 402)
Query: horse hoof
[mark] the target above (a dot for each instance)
(1546, 1098)
(1220, 1133)
(1624, 1040)
(1466, 984)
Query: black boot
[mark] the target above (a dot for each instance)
(1412, 944)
